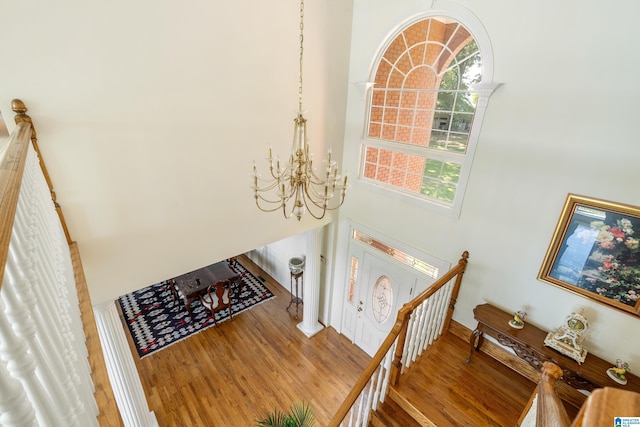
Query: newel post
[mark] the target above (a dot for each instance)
(396, 365)
(456, 289)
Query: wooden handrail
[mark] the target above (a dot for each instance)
(600, 408)
(12, 165)
(399, 331)
(550, 411)
(20, 109)
(11, 170)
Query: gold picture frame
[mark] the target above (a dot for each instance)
(595, 252)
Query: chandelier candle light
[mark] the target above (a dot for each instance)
(296, 185)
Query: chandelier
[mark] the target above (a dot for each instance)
(295, 187)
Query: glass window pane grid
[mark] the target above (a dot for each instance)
(421, 98)
(406, 259)
(444, 129)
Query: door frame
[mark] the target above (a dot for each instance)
(356, 248)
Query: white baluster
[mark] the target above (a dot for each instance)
(25, 328)
(428, 308)
(446, 298)
(387, 367)
(48, 265)
(21, 365)
(409, 342)
(15, 409)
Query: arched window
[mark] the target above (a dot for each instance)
(425, 108)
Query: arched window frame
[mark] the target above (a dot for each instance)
(484, 89)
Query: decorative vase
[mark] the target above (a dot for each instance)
(296, 265)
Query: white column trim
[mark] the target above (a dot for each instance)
(310, 325)
(121, 369)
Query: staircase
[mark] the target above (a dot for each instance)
(441, 390)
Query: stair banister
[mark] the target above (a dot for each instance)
(405, 312)
(20, 109)
(550, 409)
(11, 170)
(44, 367)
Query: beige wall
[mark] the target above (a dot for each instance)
(563, 121)
(150, 114)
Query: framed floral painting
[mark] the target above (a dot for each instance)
(595, 252)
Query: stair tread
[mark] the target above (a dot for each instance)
(390, 414)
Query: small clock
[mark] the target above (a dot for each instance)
(577, 323)
(569, 337)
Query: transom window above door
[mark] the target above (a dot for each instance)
(425, 106)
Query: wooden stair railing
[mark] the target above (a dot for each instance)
(393, 355)
(600, 408)
(20, 109)
(44, 380)
(550, 409)
(11, 169)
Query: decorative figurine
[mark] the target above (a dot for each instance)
(617, 372)
(518, 319)
(568, 339)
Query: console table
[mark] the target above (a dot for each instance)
(528, 344)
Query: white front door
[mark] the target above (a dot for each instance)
(383, 288)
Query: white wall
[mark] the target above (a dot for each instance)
(150, 113)
(562, 122)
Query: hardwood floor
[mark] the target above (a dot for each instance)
(237, 372)
(451, 393)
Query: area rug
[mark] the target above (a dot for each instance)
(156, 320)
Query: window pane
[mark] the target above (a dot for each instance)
(353, 278)
(438, 139)
(395, 253)
(458, 142)
(432, 168)
(440, 180)
(445, 100)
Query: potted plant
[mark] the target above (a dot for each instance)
(300, 415)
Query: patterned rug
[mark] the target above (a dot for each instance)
(156, 320)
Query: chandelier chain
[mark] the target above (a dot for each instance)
(301, 52)
(294, 186)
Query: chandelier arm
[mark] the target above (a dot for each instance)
(270, 186)
(264, 199)
(321, 204)
(266, 209)
(310, 210)
(321, 191)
